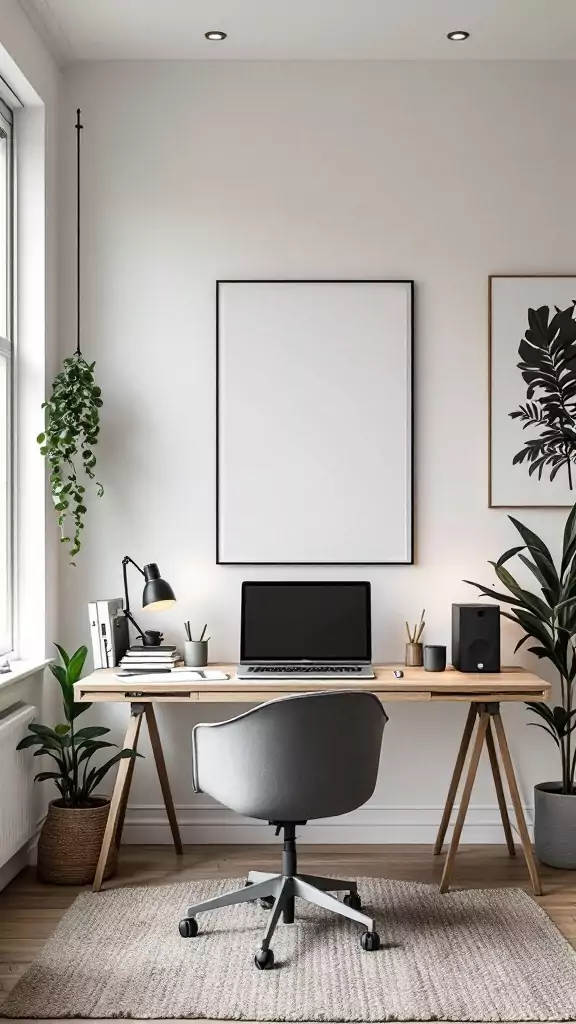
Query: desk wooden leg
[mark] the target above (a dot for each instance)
(163, 777)
(520, 819)
(456, 776)
(465, 800)
(126, 792)
(494, 764)
(120, 794)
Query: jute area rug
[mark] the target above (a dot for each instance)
(465, 956)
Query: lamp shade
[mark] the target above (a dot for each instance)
(158, 593)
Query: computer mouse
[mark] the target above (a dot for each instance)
(398, 673)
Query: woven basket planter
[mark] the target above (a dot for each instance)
(70, 841)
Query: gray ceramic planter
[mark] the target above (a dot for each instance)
(554, 826)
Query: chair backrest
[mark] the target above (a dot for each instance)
(307, 756)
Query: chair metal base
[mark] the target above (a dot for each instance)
(283, 889)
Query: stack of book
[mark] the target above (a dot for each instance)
(151, 659)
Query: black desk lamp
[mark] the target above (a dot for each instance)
(158, 594)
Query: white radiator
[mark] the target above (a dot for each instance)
(16, 806)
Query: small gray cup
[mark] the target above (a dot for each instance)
(195, 653)
(434, 657)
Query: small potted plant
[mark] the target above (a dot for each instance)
(73, 830)
(549, 619)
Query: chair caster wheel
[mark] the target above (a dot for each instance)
(188, 927)
(267, 902)
(353, 901)
(264, 959)
(370, 941)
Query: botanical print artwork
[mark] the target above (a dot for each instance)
(532, 350)
(548, 367)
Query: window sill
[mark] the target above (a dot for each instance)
(21, 670)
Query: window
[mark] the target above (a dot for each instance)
(6, 378)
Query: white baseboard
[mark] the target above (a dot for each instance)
(207, 823)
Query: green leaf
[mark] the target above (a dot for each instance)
(77, 664)
(541, 709)
(43, 730)
(29, 741)
(540, 554)
(540, 652)
(62, 729)
(538, 725)
(495, 595)
(41, 438)
(63, 654)
(521, 642)
(91, 748)
(105, 768)
(59, 673)
(90, 731)
(523, 597)
(42, 776)
(569, 540)
(508, 554)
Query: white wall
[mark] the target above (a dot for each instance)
(440, 172)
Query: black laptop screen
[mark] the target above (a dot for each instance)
(315, 621)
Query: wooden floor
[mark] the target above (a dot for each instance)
(29, 911)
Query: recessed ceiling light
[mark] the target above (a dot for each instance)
(215, 35)
(458, 37)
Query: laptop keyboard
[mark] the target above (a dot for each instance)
(302, 669)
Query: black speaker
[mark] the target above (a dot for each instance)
(476, 637)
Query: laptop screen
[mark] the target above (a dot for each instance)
(312, 621)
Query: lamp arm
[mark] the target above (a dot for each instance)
(125, 561)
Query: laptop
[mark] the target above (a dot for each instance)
(320, 630)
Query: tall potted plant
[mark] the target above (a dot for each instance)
(72, 833)
(549, 619)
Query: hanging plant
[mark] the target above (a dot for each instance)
(68, 442)
(72, 421)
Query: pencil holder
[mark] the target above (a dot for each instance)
(414, 656)
(195, 653)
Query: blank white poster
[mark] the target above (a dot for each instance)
(314, 422)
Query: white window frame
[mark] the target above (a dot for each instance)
(7, 350)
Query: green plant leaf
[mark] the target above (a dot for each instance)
(538, 725)
(42, 776)
(523, 597)
(91, 731)
(569, 540)
(91, 748)
(509, 554)
(540, 554)
(29, 741)
(77, 664)
(63, 654)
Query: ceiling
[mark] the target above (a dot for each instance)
(305, 29)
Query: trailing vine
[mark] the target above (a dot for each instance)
(70, 435)
(72, 420)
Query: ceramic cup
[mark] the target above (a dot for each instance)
(434, 657)
(195, 653)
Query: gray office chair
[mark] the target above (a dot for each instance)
(286, 761)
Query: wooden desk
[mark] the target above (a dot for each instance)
(483, 692)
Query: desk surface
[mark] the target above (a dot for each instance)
(511, 684)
